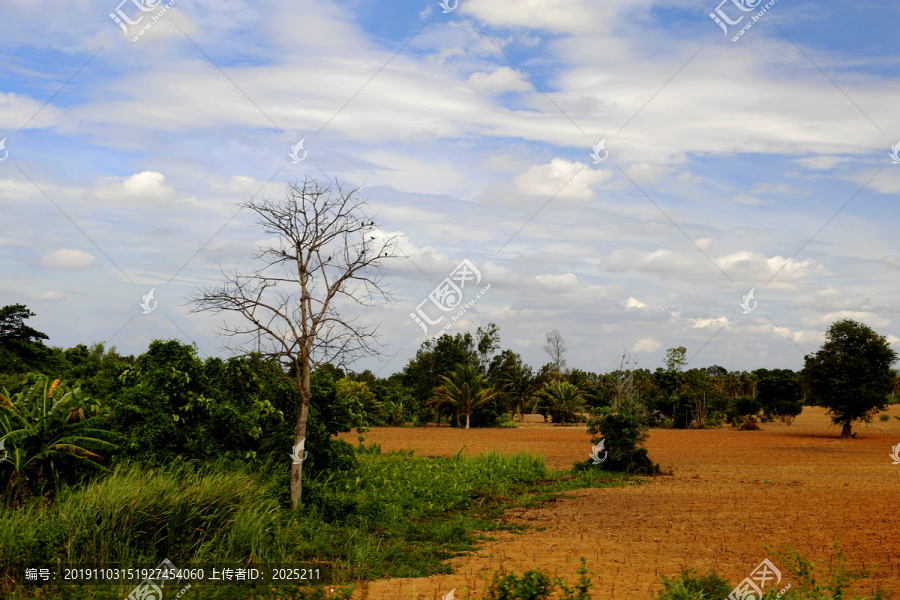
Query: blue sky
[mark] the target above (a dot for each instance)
(759, 164)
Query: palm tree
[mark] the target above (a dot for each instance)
(562, 401)
(465, 389)
(519, 385)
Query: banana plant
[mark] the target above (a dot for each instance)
(44, 426)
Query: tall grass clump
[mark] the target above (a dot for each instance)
(144, 515)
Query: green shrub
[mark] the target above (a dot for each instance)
(537, 585)
(624, 433)
(691, 586)
(885, 418)
(424, 416)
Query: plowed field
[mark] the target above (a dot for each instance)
(731, 493)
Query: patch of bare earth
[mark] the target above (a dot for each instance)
(732, 492)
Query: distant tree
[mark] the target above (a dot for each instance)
(21, 346)
(780, 394)
(465, 389)
(514, 378)
(851, 374)
(488, 342)
(675, 358)
(556, 348)
(562, 401)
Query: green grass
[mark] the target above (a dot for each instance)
(397, 515)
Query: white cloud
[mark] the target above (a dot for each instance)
(68, 259)
(499, 81)
(145, 187)
(647, 344)
(634, 303)
(561, 178)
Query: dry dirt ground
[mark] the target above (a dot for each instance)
(731, 493)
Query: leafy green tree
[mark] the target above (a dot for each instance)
(21, 346)
(675, 358)
(561, 400)
(851, 374)
(435, 358)
(465, 389)
(780, 394)
(45, 431)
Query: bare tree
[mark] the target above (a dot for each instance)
(324, 250)
(556, 348)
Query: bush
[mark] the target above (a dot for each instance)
(624, 433)
(424, 416)
(537, 585)
(691, 586)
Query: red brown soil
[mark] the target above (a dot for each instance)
(731, 493)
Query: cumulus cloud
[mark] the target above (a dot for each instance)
(566, 180)
(145, 187)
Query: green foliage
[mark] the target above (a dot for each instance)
(561, 401)
(46, 432)
(851, 374)
(424, 416)
(624, 433)
(747, 406)
(465, 389)
(780, 394)
(692, 586)
(676, 358)
(829, 580)
(21, 346)
(537, 585)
